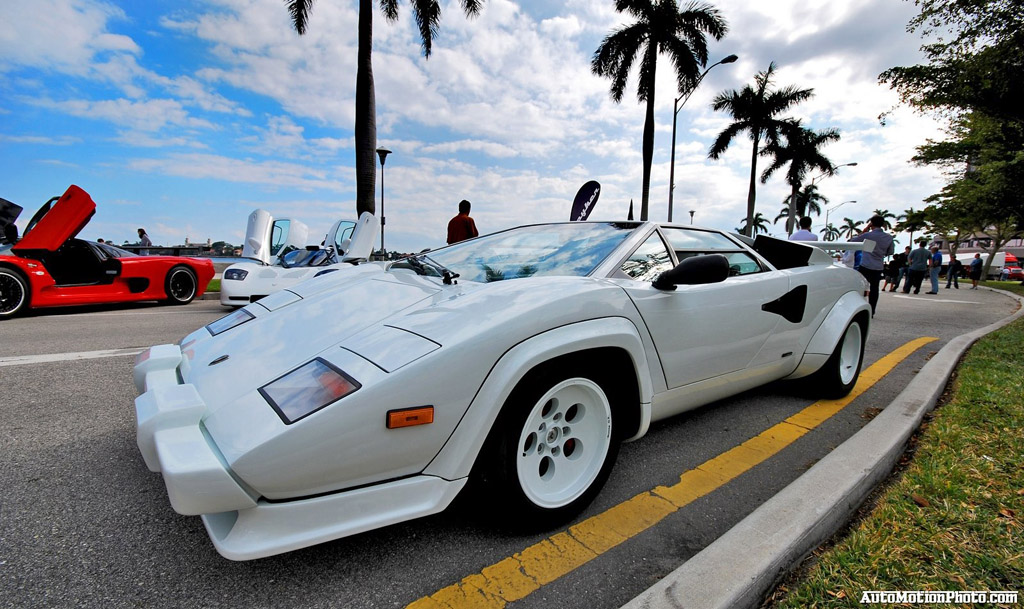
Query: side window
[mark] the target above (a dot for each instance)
(693, 242)
(278, 235)
(742, 263)
(344, 232)
(648, 261)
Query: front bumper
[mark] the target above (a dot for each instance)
(172, 440)
(243, 526)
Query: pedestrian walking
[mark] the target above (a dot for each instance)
(917, 268)
(900, 260)
(976, 268)
(953, 272)
(462, 227)
(872, 260)
(144, 242)
(804, 234)
(934, 266)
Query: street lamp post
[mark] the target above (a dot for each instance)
(833, 208)
(676, 107)
(831, 171)
(692, 211)
(383, 154)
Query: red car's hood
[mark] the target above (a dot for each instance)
(54, 224)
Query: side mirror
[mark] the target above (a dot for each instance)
(695, 270)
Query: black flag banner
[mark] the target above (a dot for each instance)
(585, 201)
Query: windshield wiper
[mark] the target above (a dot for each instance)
(447, 276)
(435, 269)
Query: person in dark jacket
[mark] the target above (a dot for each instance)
(462, 227)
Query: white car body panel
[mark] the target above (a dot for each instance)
(411, 338)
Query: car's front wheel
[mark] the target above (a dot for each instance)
(555, 450)
(839, 374)
(181, 285)
(14, 294)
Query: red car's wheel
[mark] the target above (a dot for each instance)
(14, 293)
(181, 285)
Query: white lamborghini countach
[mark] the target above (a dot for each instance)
(520, 360)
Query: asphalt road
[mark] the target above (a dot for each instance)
(83, 523)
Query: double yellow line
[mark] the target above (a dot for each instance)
(519, 575)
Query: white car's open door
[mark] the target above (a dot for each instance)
(266, 237)
(361, 244)
(340, 236)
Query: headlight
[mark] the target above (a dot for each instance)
(229, 321)
(307, 389)
(235, 274)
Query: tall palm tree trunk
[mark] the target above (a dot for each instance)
(365, 130)
(752, 192)
(648, 145)
(793, 211)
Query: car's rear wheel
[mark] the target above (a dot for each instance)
(839, 374)
(14, 293)
(181, 285)
(555, 450)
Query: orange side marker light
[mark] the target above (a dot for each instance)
(408, 417)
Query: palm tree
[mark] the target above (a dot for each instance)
(754, 110)
(830, 232)
(886, 214)
(759, 225)
(661, 27)
(849, 227)
(783, 213)
(913, 220)
(802, 151)
(809, 201)
(428, 16)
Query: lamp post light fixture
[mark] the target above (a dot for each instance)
(692, 211)
(833, 208)
(383, 154)
(831, 172)
(676, 107)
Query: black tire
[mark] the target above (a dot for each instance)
(181, 285)
(14, 293)
(839, 374)
(551, 450)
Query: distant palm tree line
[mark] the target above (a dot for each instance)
(660, 27)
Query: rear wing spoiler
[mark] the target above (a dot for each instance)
(834, 246)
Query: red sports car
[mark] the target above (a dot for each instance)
(49, 267)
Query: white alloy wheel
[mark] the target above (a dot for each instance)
(850, 354)
(564, 443)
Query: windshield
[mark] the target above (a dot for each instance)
(572, 248)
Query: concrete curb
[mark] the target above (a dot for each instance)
(741, 566)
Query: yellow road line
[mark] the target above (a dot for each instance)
(519, 575)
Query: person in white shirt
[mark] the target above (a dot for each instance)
(804, 234)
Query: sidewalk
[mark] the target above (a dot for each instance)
(743, 565)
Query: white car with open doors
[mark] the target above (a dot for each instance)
(278, 257)
(521, 360)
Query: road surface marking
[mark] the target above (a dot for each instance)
(925, 297)
(20, 360)
(519, 575)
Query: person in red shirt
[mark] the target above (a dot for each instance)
(462, 227)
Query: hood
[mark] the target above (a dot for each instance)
(299, 329)
(56, 222)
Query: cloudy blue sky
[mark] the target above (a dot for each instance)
(183, 116)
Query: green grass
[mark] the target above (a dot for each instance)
(214, 286)
(1009, 286)
(953, 519)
